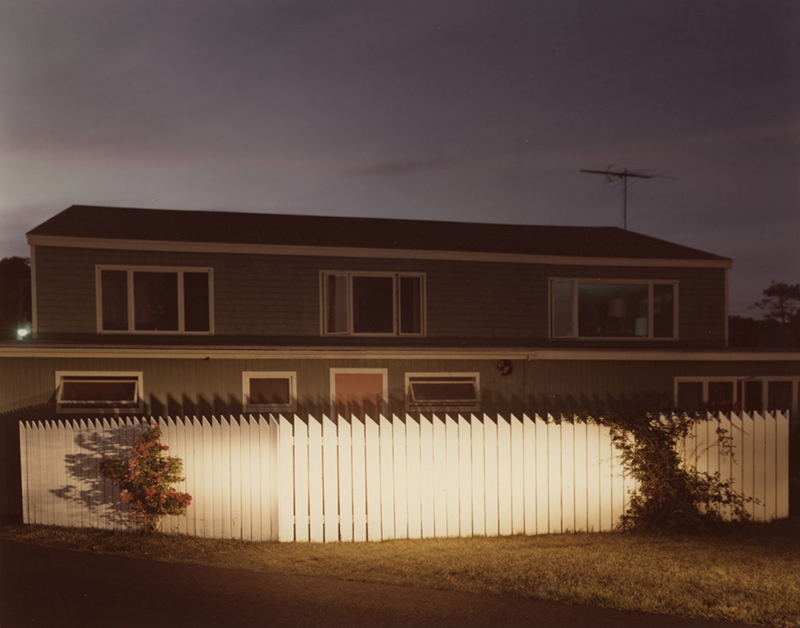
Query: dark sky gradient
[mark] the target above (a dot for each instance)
(475, 111)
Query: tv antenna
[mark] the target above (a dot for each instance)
(623, 175)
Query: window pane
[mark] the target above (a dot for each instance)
(719, 392)
(690, 396)
(373, 305)
(663, 310)
(780, 395)
(612, 310)
(270, 391)
(443, 391)
(563, 323)
(336, 304)
(753, 396)
(155, 297)
(93, 393)
(195, 302)
(114, 290)
(410, 305)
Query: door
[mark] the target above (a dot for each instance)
(358, 392)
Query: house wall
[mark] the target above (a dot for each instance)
(279, 296)
(196, 387)
(205, 387)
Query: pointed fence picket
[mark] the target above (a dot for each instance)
(356, 479)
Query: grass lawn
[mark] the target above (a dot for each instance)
(747, 573)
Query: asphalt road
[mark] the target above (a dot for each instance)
(62, 588)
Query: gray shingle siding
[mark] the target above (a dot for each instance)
(275, 295)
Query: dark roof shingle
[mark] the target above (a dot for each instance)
(112, 223)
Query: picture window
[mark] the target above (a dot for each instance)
(583, 308)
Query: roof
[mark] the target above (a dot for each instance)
(220, 227)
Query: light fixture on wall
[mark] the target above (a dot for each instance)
(506, 367)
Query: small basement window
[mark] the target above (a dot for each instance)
(98, 392)
(445, 390)
(269, 391)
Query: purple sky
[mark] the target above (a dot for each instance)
(454, 110)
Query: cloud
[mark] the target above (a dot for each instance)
(400, 167)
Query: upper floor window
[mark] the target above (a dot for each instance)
(150, 299)
(611, 308)
(373, 304)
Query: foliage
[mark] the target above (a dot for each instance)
(753, 333)
(780, 325)
(15, 295)
(669, 496)
(146, 481)
(781, 302)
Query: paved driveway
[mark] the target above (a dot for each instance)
(61, 588)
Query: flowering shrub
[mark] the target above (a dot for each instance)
(146, 481)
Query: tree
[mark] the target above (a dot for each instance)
(753, 333)
(781, 304)
(15, 295)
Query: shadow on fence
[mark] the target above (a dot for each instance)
(83, 497)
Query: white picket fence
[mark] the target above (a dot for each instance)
(305, 479)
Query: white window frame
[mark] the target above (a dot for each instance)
(66, 408)
(436, 405)
(396, 323)
(765, 380)
(179, 271)
(291, 376)
(650, 283)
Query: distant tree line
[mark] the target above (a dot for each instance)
(780, 325)
(15, 295)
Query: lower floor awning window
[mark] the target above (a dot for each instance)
(99, 392)
(456, 390)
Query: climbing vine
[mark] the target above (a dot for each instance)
(669, 496)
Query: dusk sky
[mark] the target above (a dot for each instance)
(451, 110)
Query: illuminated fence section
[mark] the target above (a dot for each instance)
(308, 479)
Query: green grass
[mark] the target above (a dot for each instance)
(747, 573)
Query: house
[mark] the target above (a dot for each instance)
(197, 313)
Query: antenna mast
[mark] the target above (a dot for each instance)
(622, 175)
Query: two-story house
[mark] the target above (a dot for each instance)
(190, 313)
